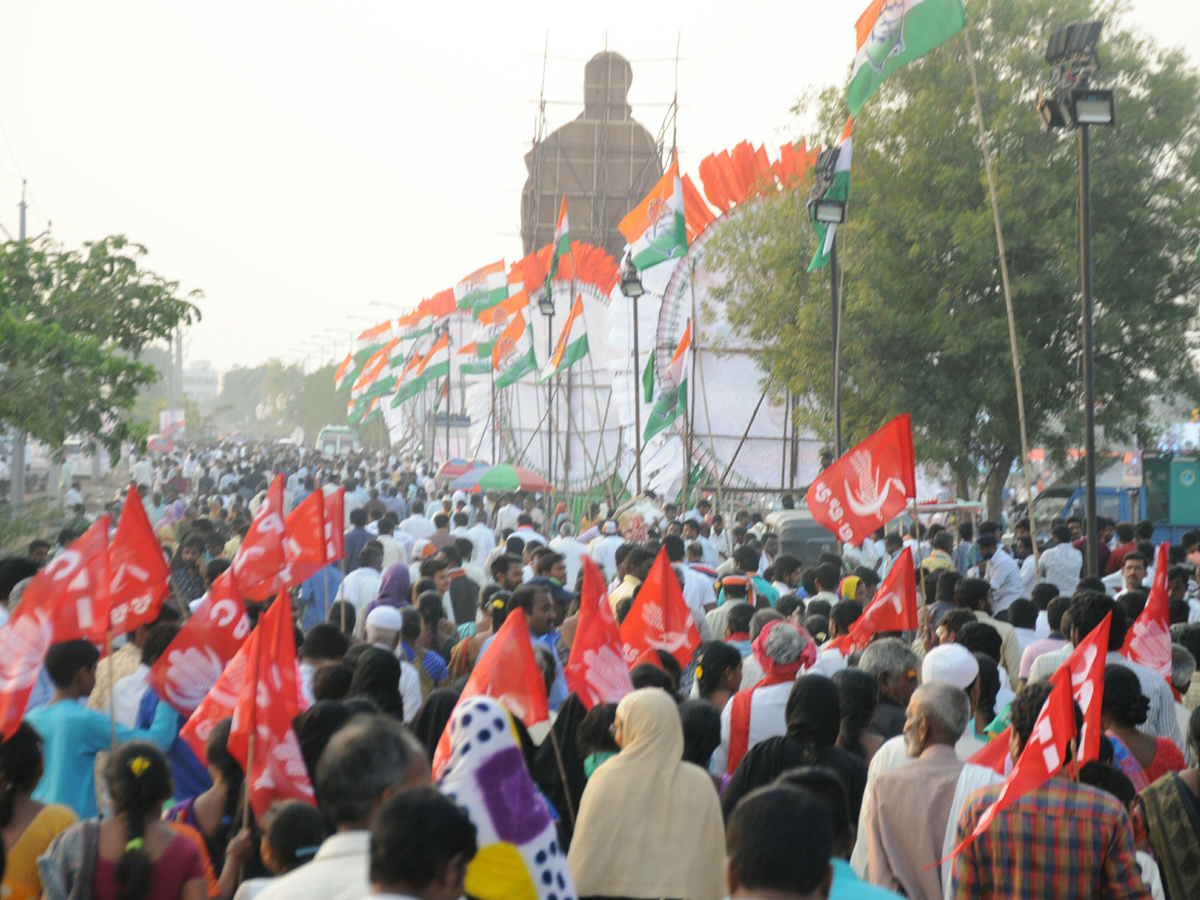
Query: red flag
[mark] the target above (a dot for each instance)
(894, 607)
(659, 618)
(1148, 642)
(1044, 755)
(261, 554)
(335, 525)
(195, 659)
(140, 575)
(995, 754)
(507, 672)
(1084, 669)
(304, 547)
(869, 485)
(268, 701)
(596, 670)
(218, 703)
(66, 600)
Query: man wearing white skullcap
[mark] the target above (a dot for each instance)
(383, 631)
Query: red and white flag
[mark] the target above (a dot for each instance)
(139, 572)
(868, 486)
(659, 618)
(894, 607)
(267, 703)
(597, 671)
(218, 703)
(66, 600)
(1148, 642)
(335, 530)
(304, 547)
(261, 555)
(194, 661)
(507, 672)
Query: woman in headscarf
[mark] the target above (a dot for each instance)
(1170, 808)
(394, 590)
(432, 717)
(519, 854)
(813, 723)
(377, 677)
(650, 824)
(314, 729)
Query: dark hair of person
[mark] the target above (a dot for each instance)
(827, 576)
(788, 604)
(1132, 603)
(818, 608)
(946, 580)
(858, 694)
(648, 675)
(324, 641)
(414, 834)
(158, 639)
(1056, 610)
(66, 659)
(828, 787)
(139, 781)
(701, 731)
(1088, 610)
(779, 838)
(366, 757)
(1043, 593)
(715, 660)
(358, 517)
(217, 753)
(989, 687)
(1108, 778)
(845, 614)
(332, 682)
(20, 768)
(1123, 698)
(671, 666)
(970, 592)
(451, 555)
(738, 621)
(431, 608)
(817, 626)
(339, 608)
(594, 733)
(808, 579)
(1027, 706)
(1022, 613)
(502, 563)
(215, 569)
(294, 830)
(979, 637)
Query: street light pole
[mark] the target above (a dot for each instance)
(1092, 562)
(837, 351)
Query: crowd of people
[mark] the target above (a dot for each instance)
(776, 762)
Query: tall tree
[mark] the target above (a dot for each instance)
(923, 321)
(72, 323)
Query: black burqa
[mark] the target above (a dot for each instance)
(377, 677)
(432, 717)
(813, 721)
(314, 727)
(545, 766)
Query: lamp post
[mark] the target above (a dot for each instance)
(831, 212)
(631, 287)
(1071, 103)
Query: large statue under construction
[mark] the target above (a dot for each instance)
(602, 161)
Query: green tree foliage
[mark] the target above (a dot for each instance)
(924, 328)
(72, 323)
(272, 399)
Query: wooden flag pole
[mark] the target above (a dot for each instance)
(562, 770)
(112, 683)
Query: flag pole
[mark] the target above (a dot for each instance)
(112, 698)
(449, 371)
(1008, 304)
(703, 389)
(745, 434)
(562, 770)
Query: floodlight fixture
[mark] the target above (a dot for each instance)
(631, 282)
(546, 304)
(1093, 107)
(1074, 43)
(828, 211)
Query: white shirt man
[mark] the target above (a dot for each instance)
(127, 695)
(767, 719)
(417, 526)
(1005, 577)
(483, 542)
(142, 472)
(572, 552)
(700, 597)
(604, 550)
(360, 587)
(507, 517)
(1061, 565)
(394, 551)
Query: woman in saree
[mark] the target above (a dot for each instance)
(1170, 809)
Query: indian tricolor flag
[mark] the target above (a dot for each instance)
(344, 373)
(512, 355)
(891, 34)
(482, 288)
(655, 228)
(435, 364)
(839, 190)
(561, 244)
(672, 398)
(499, 315)
(373, 370)
(572, 344)
(404, 383)
(472, 360)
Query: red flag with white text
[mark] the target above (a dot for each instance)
(335, 524)
(1084, 670)
(267, 703)
(869, 485)
(659, 618)
(66, 600)
(261, 555)
(507, 672)
(139, 572)
(894, 607)
(194, 661)
(218, 703)
(304, 547)
(1148, 642)
(597, 671)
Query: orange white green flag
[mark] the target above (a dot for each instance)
(672, 396)
(891, 34)
(512, 355)
(482, 288)
(655, 228)
(572, 344)
(839, 190)
(560, 246)
(344, 374)
(434, 365)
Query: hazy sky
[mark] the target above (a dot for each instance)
(298, 161)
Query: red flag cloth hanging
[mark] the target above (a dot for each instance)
(1043, 756)
(596, 671)
(335, 527)
(1148, 642)
(995, 754)
(868, 486)
(268, 701)
(507, 672)
(894, 607)
(140, 574)
(218, 703)
(659, 618)
(261, 555)
(207, 642)
(66, 600)
(304, 547)
(1084, 671)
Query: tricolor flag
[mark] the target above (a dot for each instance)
(374, 372)
(891, 34)
(839, 190)
(572, 344)
(561, 244)
(435, 364)
(672, 399)
(472, 360)
(482, 288)
(512, 356)
(655, 228)
(345, 373)
(500, 314)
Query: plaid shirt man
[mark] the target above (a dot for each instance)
(1063, 840)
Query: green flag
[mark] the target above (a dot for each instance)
(648, 379)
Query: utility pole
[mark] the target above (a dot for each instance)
(18, 444)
